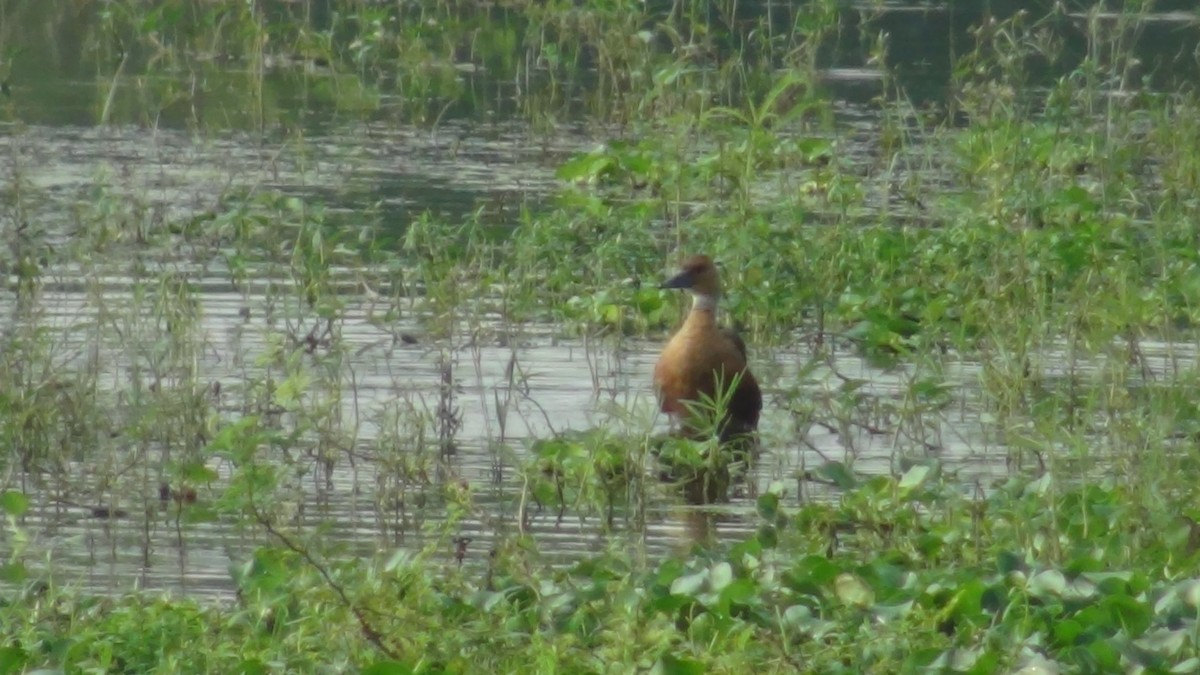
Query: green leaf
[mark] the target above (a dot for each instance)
(852, 591)
(1190, 592)
(1108, 659)
(913, 478)
(894, 611)
(586, 167)
(1050, 582)
(810, 573)
(768, 506)
(838, 474)
(674, 665)
(289, 392)
(1191, 665)
(1130, 614)
(1066, 632)
(798, 616)
(14, 503)
(1009, 561)
(689, 584)
(721, 575)
(198, 473)
(968, 601)
(13, 659)
(256, 667)
(387, 668)
(768, 536)
(741, 592)
(13, 573)
(1165, 643)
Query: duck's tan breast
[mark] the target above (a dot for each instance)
(694, 361)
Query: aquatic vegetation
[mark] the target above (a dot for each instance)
(972, 287)
(904, 574)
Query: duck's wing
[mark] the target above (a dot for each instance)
(735, 337)
(690, 367)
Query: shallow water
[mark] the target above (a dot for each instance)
(567, 385)
(374, 169)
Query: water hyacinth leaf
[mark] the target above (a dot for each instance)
(1164, 643)
(1067, 631)
(1191, 665)
(976, 662)
(1111, 583)
(810, 575)
(689, 585)
(628, 600)
(1080, 588)
(884, 575)
(587, 167)
(13, 660)
(1049, 582)
(255, 667)
(928, 659)
(675, 665)
(1083, 564)
(649, 302)
(767, 506)
(892, 612)
(387, 668)
(913, 478)
(13, 572)
(1128, 613)
(1009, 561)
(198, 473)
(1190, 592)
(838, 474)
(968, 601)
(851, 590)
(1094, 617)
(669, 604)
(292, 389)
(748, 551)
(930, 544)
(1106, 655)
(768, 536)
(545, 492)
(720, 576)
(669, 571)
(14, 503)
(487, 600)
(799, 617)
(739, 592)
(1039, 486)
(1034, 663)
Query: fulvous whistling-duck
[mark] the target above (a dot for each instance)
(701, 354)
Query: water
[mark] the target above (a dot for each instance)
(177, 161)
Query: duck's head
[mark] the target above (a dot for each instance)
(699, 275)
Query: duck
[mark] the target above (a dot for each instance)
(702, 354)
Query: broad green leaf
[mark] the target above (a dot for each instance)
(1050, 582)
(838, 474)
(387, 668)
(913, 478)
(852, 591)
(14, 503)
(689, 584)
(720, 576)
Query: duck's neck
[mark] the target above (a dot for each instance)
(703, 307)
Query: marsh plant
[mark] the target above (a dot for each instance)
(975, 320)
